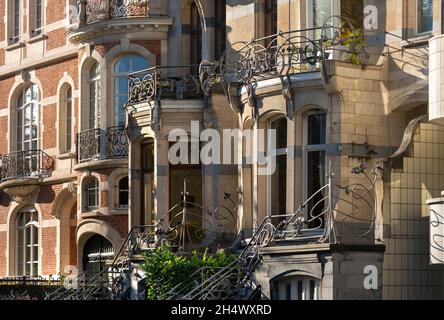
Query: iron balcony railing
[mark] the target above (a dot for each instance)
(92, 11)
(164, 82)
(26, 164)
(284, 54)
(100, 144)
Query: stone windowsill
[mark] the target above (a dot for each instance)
(36, 38)
(14, 46)
(417, 40)
(66, 155)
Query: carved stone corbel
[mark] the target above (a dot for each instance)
(288, 96)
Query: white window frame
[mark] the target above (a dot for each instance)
(115, 75)
(35, 29)
(417, 32)
(94, 120)
(20, 112)
(33, 260)
(305, 150)
(118, 190)
(69, 113)
(86, 190)
(16, 27)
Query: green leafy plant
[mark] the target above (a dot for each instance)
(355, 43)
(165, 269)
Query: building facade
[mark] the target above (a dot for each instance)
(92, 92)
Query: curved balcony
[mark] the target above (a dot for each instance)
(97, 17)
(22, 173)
(98, 145)
(92, 11)
(164, 82)
(26, 165)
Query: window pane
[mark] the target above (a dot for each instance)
(316, 124)
(322, 9)
(300, 289)
(425, 16)
(315, 180)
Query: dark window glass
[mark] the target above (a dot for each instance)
(316, 129)
(195, 36)
(220, 29)
(425, 16)
(123, 192)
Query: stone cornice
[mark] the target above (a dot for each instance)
(154, 24)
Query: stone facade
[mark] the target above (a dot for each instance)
(374, 117)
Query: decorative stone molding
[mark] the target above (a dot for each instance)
(21, 191)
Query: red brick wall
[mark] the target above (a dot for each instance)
(49, 241)
(2, 57)
(50, 75)
(2, 254)
(105, 47)
(3, 134)
(2, 24)
(56, 38)
(49, 136)
(153, 46)
(55, 11)
(46, 198)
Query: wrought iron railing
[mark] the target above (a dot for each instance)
(88, 145)
(317, 220)
(117, 143)
(169, 82)
(91, 11)
(26, 164)
(114, 141)
(284, 54)
(173, 230)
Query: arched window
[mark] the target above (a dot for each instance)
(314, 161)
(123, 67)
(91, 194)
(295, 288)
(123, 192)
(94, 96)
(28, 117)
(27, 242)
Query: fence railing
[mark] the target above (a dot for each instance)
(92, 11)
(26, 164)
(100, 144)
(169, 82)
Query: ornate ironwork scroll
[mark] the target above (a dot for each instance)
(128, 8)
(117, 143)
(26, 164)
(437, 236)
(88, 145)
(95, 10)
